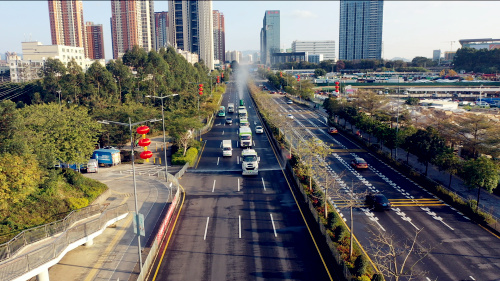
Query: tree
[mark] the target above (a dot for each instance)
(412, 101)
(182, 129)
(477, 133)
(427, 144)
(19, 178)
(66, 134)
(11, 134)
(318, 72)
(448, 162)
(397, 259)
(481, 173)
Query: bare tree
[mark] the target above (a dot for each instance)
(396, 260)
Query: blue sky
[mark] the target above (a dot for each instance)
(411, 28)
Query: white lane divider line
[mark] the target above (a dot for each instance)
(275, 234)
(213, 188)
(223, 132)
(263, 184)
(237, 160)
(238, 184)
(206, 229)
(472, 278)
(239, 218)
(218, 158)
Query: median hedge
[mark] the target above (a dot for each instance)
(190, 157)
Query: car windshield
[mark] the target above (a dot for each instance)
(245, 137)
(381, 198)
(249, 158)
(227, 148)
(360, 161)
(229, 119)
(258, 128)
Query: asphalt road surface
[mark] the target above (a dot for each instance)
(458, 248)
(235, 227)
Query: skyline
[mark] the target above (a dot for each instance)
(410, 28)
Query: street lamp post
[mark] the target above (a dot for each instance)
(129, 125)
(163, 121)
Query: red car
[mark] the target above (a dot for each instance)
(332, 130)
(359, 163)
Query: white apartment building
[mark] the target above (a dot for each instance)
(190, 57)
(35, 54)
(325, 48)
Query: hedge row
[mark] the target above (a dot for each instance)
(190, 157)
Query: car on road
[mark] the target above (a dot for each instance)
(259, 130)
(289, 116)
(332, 130)
(289, 102)
(229, 120)
(482, 104)
(359, 163)
(377, 202)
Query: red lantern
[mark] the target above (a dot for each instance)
(144, 142)
(143, 130)
(336, 82)
(146, 154)
(218, 79)
(298, 78)
(222, 74)
(200, 89)
(281, 74)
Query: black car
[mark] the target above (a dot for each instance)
(377, 202)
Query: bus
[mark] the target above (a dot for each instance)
(222, 111)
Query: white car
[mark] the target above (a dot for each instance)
(289, 102)
(482, 104)
(289, 116)
(259, 130)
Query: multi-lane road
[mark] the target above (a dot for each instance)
(235, 227)
(459, 248)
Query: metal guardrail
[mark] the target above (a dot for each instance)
(18, 266)
(32, 235)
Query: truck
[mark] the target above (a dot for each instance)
(242, 102)
(245, 137)
(243, 114)
(249, 162)
(222, 111)
(230, 107)
(107, 156)
(227, 148)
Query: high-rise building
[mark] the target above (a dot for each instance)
(270, 36)
(132, 23)
(219, 37)
(325, 48)
(360, 35)
(436, 55)
(95, 41)
(66, 23)
(161, 26)
(191, 28)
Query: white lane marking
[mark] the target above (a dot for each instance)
(238, 184)
(220, 144)
(263, 184)
(218, 158)
(238, 160)
(223, 131)
(472, 278)
(428, 279)
(253, 143)
(206, 229)
(239, 225)
(237, 144)
(213, 188)
(275, 234)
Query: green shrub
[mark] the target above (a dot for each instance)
(191, 154)
(77, 203)
(361, 265)
(364, 278)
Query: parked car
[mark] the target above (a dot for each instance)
(259, 130)
(229, 120)
(482, 104)
(289, 116)
(359, 163)
(332, 130)
(289, 101)
(377, 201)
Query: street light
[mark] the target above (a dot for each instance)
(163, 121)
(130, 124)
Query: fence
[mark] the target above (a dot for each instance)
(23, 264)
(162, 231)
(32, 235)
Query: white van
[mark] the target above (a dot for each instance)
(227, 148)
(92, 166)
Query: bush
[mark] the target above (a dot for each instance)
(77, 203)
(360, 265)
(191, 154)
(378, 277)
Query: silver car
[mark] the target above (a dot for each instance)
(259, 130)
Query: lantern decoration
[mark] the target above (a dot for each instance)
(222, 75)
(298, 78)
(218, 79)
(143, 130)
(281, 74)
(337, 86)
(200, 89)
